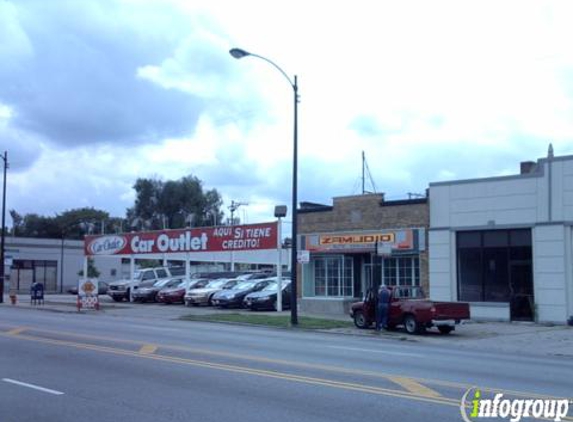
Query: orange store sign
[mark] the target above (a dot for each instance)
(399, 240)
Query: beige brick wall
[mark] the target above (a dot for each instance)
(363, 212)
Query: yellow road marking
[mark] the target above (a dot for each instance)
(414, 387)
(17, 330)
(148, 349)
(302, 365)
(251, 371)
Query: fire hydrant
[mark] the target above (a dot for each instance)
(13, 298)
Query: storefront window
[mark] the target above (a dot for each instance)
(403, 271)
(25, 272)
(485, 262)
(333, 276)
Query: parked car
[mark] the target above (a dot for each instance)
(203, 296)
(174, 293)
(102, 287)
(120, 290)
(410, 307)
(147, 291)
(267, 297)
(234, 296)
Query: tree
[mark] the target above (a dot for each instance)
(93, 272)
(174, 204)
(17, 221)
(72, 224)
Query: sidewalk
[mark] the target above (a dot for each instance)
(515, 337)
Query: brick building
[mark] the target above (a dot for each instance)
(342, 241)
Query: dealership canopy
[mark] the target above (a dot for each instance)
(198, 244)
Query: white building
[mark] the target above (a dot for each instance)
(53, 262)
(504, 244)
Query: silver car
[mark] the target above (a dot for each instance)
(203, 296)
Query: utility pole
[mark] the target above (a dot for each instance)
(234, 207)
(2, 236)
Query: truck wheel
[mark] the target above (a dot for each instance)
(360, 320)
(445, 329)
(411, 325)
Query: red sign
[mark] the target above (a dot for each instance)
(208, 239)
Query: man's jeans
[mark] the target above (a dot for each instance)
(381, 316)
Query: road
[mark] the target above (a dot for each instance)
(80, 367)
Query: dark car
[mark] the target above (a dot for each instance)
(147, 292)
(234, 297)
(174, 294)
(267, 297)
(102, 287)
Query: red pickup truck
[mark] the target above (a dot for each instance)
(410, 307)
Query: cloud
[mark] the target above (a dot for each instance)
(73, 77)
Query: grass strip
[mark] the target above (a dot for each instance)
(310, 323)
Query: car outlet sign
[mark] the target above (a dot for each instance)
(107, 245)
(208, 239)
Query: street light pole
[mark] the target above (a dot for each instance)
(238, 53)
(2, 236)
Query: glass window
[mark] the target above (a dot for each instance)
(495, 238)
(161, 273)
(403, 271)
(484, 271)
(469, 240)
(333, 276)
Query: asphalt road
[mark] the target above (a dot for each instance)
(78, 367)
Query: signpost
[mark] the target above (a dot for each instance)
(88, 294)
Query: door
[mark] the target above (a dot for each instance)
(522, 303)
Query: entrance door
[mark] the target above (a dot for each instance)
(522, 303)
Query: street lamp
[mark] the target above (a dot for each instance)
(2, 243)
(238, 53)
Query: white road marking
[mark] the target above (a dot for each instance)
(35, 387)
(384, 352)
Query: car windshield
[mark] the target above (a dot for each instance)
(137, 275)
(274, 285)
(244, 285)
(174, 283)
(162, 283)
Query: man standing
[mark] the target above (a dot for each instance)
(382, 307)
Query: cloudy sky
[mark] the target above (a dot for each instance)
(94, 94)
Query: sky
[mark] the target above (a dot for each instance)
(95, 94)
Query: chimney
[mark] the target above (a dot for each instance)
(527, 167)
(550, 151)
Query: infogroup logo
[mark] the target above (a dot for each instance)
(474, 407)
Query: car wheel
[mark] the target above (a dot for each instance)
(411, 325)
(445, 329)
(360, 320)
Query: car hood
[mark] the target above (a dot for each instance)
(119, 283)
(266, 293)
(171, 290)
(148, 289)
(203, 291)
(231, 293)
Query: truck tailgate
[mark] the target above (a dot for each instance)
(452, 310)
